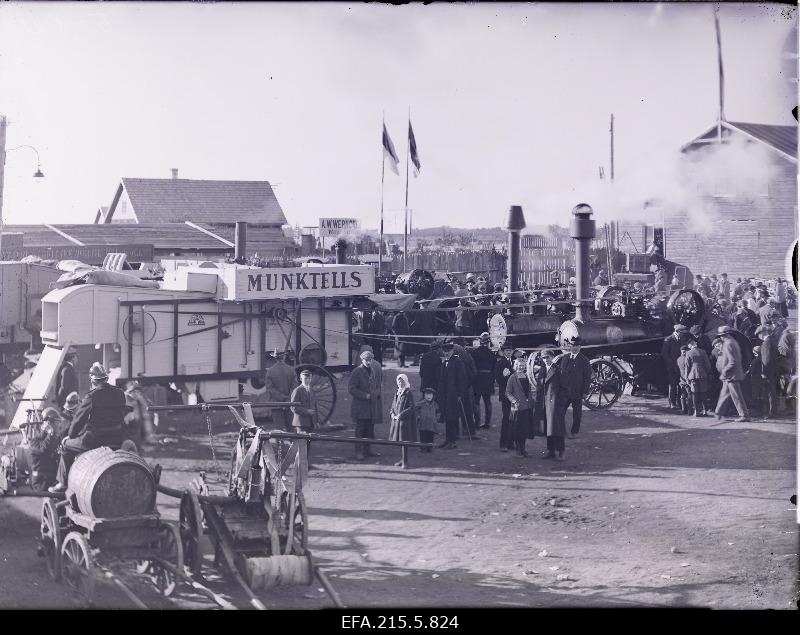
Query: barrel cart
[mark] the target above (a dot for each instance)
(255, 523)
(108, 515)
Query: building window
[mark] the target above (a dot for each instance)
(725, 188)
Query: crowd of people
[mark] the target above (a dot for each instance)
(750, 363)
(456, 396)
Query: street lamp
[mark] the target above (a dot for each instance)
(3, 152)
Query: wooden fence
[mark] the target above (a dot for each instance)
(489, 262)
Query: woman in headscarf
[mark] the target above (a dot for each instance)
(404, 418)
(522, 395)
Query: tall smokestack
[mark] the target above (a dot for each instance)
(515, 223)
(174, 174)
(240, 240)
(582, 230)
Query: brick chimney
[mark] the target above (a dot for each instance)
(174, 174)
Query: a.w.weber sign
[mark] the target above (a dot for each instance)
(332, 227)
(317, 281)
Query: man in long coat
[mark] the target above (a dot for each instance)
(483, 382)
(67, 379)
(698, 373)
(430, 367)
(502, 371)
(453, 385)
(732, 376)
(361, 406)
(670, 352)
(279, 382)
(576, 378)
(556, 400)
(467, 399)
(769, 362)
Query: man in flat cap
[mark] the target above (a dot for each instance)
(484, 360)
(360, 389)
(732, 375)
(453, 384)
(670, 352)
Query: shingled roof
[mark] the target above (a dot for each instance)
(782, 139)
(178, 200)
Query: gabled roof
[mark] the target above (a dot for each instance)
(178, 200)
(780, 139)
(102, 212)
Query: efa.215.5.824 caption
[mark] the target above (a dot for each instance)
(390, 622)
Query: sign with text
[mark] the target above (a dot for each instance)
(315, 281)
(333, 227)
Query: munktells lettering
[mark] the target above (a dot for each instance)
(311, 281)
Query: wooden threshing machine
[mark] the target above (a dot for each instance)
(208, 328)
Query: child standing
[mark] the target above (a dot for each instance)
(427, 417)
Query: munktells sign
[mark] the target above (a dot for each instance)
(316, 281)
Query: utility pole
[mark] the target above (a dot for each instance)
(3, 124)
(611, 130)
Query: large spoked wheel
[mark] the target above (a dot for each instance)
(686, 307)
(606, 387)
(191, 532)
(77, 568)
(298, 521)
(324, 387)
(50, 539)
(170, 550)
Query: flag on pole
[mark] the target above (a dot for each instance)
(412, 144)
(388, 151)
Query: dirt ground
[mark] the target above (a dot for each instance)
(648, 509)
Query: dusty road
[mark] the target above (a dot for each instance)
(649, 509)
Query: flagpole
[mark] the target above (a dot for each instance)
(383, 171)
(405, 222)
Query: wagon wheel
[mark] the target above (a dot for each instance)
(686, 307)
(77, 568)
(50, 539)
(606, 386)
(300, 533)
(170, 549)
(191, 532)
(324, 388)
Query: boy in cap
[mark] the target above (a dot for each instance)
(684, 381)
(427, 417)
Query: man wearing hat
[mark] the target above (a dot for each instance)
(67, 379)
(698, 373)
(42, 442)
(768, 312)
(98, 421)
(361, 407)
(503, 368)
(465, 316)
(484, 380)
(430, 366)
(576, 378)
(703, 341)
(724, 286)
(279, 383)
(683, 371)
(70, 406)
(770, 358)
(670, 352)
(780, 297)
(453, 385)
(732, 375)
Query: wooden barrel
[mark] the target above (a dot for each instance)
(109, 484)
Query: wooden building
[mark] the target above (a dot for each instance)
(748, 234)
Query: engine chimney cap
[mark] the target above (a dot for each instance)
(582, 209)
(515, 219)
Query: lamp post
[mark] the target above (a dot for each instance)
(3, 152)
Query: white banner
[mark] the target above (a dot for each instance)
(333, 227)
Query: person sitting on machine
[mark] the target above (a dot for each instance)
(98, 421)
(43, 444)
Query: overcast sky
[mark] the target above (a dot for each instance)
(510, 103)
